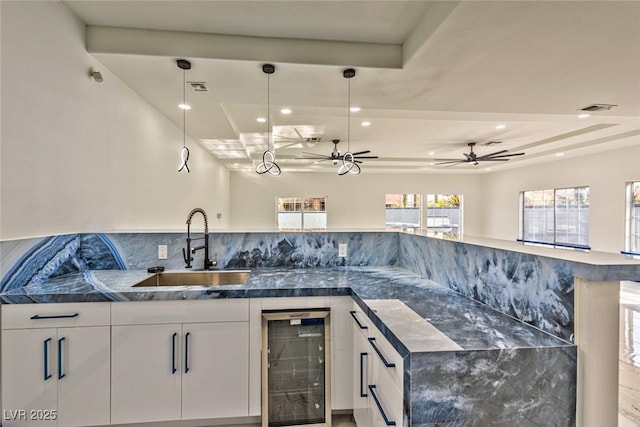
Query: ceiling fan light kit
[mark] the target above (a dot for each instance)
(268, 164)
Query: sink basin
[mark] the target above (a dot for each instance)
(196, 278)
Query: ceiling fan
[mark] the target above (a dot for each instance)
(335, 155)
(472, 157)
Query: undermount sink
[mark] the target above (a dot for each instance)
(196, 278)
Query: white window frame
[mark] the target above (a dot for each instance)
(443, 227)
(419, 207)
(555, 243)
(302, 212)
(632, 221)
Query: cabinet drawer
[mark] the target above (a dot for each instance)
(389, 401)
(164, 312)
(28, 316)
(360, 321)
(382, 349)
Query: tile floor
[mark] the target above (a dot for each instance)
(629, 378)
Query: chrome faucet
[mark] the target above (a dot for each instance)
(188, 251)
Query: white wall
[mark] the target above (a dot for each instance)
(353, 202)
(80, 156)
(606, 175)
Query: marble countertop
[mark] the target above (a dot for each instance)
(464, 322)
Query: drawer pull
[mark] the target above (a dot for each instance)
(386, 364)
(387, 421)
(186, 352)
(47, 375)
(54, 316)
(173, 353)
(61, 374)
(360, 325)
(362, 391)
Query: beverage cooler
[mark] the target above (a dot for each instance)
(296, 368)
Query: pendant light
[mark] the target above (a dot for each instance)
(184, 65)
(268, 164)
(348, 164)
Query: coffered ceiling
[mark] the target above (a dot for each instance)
(431, 76)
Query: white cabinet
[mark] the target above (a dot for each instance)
(195, 369)
(341, 353)
(361, 327)
(377, 375)
(55, 364)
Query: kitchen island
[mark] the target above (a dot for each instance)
(500, 359)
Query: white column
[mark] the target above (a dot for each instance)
(597, 317)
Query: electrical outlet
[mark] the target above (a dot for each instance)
(162, 252)
(342, 250)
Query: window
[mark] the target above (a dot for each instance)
(558, 217)
(632, 245)
(402, 210)
(308, 213)
(444, 213)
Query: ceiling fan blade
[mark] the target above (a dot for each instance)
(492, 154)
(361, 152)
(449, 162)
(314, 154)
(365, 157)
(507, 155)
(493, 159)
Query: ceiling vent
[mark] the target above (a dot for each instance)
(198, 86)
(313, 139)
(598, 107)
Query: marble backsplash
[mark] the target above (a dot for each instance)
(534, 289)
(46, 258)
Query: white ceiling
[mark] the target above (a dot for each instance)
(431, 76)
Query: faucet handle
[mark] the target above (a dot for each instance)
(187, 259)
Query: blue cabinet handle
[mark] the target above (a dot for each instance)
(54, 316)
(186, 352)
(360, 325)
(387, 421)
(173, 353)
(47, 375)
(386, 364)
(61, 374)
(362, 356)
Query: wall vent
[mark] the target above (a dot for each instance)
(598, 107)
(198, 86)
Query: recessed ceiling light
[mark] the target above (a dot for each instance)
(354, 109)
(261, 120)
(365, 124)
(501, 126)
(584, 116)
(559, 154)
(286, 111)
(184, 106)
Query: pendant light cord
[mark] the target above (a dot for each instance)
(349, 116)
(184, 110)
(268, 111)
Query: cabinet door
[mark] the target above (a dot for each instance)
(29, 377)
(361, 372)
(341, 353)
(215, 370)
(145, 373)
(83, 374)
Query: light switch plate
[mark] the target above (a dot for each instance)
(162, 252)
(342, 250)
